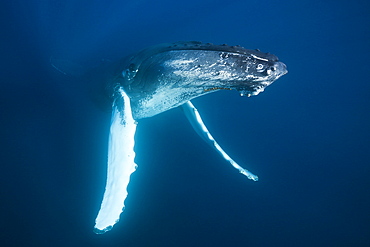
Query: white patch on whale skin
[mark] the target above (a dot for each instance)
(121, 165)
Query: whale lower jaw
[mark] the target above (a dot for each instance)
(163, 100)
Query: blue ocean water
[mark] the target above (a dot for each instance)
(307, 136)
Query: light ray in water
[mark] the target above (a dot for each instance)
(121, 164)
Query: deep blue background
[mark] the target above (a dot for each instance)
(307, 136)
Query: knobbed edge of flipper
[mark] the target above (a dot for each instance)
(121, 163)
(200, 128)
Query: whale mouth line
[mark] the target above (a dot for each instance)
(243, 91)
(216, 88)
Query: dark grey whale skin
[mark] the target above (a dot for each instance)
(165, 76)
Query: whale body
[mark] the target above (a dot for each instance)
(166, 76)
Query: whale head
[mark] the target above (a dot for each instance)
(168, 75)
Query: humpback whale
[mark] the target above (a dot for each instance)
(166, 76)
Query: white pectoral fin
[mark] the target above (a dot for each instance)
(196, 121)
(121, 164)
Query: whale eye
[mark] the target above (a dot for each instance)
(132, 67)
(130, 72)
